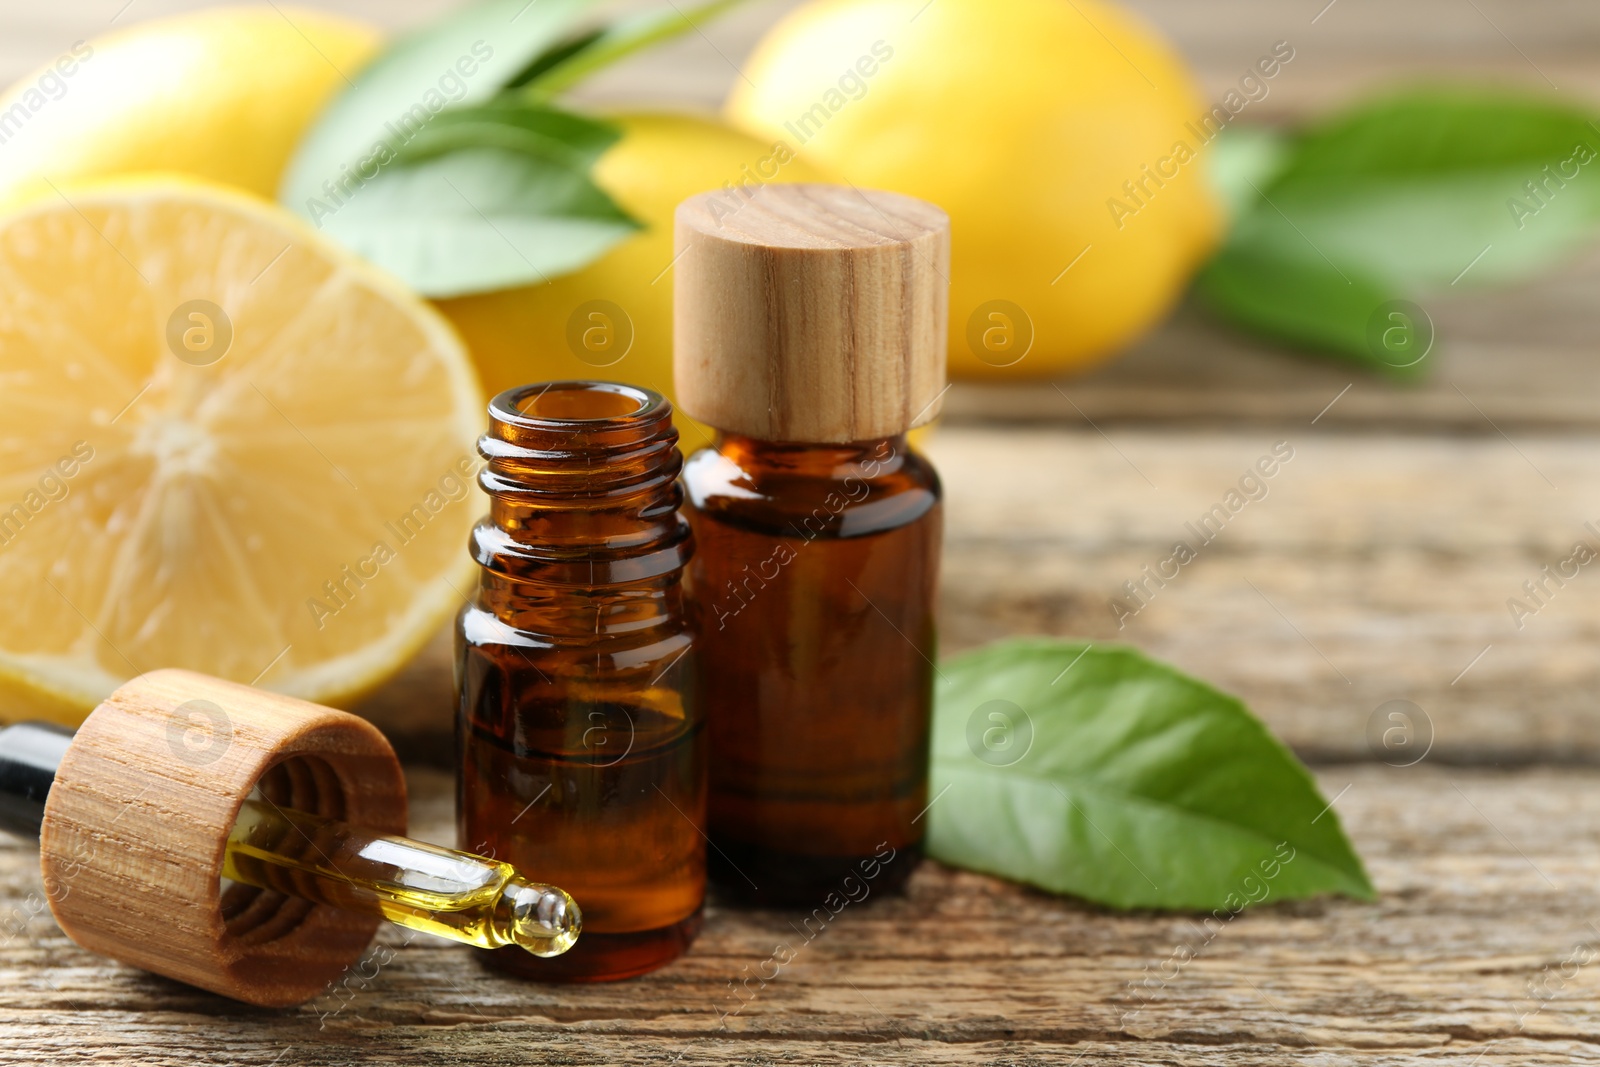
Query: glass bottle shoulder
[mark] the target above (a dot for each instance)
(836, 491)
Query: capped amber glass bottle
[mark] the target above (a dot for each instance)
(580, 727)
(815, 581)
(810, 335)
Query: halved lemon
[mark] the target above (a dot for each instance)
(225, 445)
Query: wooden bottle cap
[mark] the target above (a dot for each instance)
(810, 313)
(137, 822)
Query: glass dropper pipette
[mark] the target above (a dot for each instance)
(457, 895)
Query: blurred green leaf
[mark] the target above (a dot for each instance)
(429, 168)
(415, 79)
(1310, 304)
(510, 123)
(1243, 159)
(1096, 771)
(556, 56)
(478, 219)
(1433, 130)
(1414, 194)
(568, 64)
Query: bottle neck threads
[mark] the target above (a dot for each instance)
(583, 491)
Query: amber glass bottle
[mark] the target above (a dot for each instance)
(815, 584)
(810, 335)
(580, 729)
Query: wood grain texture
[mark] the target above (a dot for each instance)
(1487, 879)
(810, 312)
(138, 819)
(1377, 567)
(1507, 359)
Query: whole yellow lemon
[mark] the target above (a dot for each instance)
(222, 94)
(1064, 138)
(613, 319)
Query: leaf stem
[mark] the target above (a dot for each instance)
(618, 40)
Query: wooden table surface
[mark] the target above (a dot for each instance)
(1378, 568)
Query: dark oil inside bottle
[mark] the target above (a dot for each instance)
(580, 732)
(598, 793)
(815, 580)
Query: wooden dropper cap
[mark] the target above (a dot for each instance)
(812, 313)
(137, 821)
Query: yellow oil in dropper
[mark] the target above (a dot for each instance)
(467, 898)
(472, 899)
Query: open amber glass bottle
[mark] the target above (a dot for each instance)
(810, 331)
(580, 728)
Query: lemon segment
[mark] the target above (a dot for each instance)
(225, 445)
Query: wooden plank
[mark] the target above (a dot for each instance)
(1349, 47)
(1483, 898)
(1378, 567)
(1514, 358)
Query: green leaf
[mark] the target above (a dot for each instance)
(1098, 772)
(479, 219)
(1413, 188)
(1421, 234)
(555, 56)
(1434, 130)
(427, 168)
(1308, 303)
(415, 79)
(1241, 160)
(569, 63)
(1420, 192)
(510, 123)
